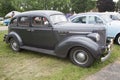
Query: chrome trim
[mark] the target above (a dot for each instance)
(79, 32)
(109, 48)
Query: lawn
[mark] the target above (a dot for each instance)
(27, 65)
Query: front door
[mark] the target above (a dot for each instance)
(42, 34)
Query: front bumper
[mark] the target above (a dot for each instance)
(5, 38)
(108, 51)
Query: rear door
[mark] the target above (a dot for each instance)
(23, 30)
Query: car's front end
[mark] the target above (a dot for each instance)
(107, 51)
(96, 41)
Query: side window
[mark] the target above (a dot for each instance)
(24, 21)
(39, 21)
(79, 20)
(94, 20)
(98, 20)
(13, 22)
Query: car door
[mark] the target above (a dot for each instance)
(23, 30)
(42, 33)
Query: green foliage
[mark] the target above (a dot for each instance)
(118, 5)
(5, 7)
(65, 6)
(82, 5)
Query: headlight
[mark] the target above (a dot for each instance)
(94, 36)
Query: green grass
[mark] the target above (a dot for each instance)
(27, 65)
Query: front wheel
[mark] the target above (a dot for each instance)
(81, 57)
(14, 45)
(117, 39)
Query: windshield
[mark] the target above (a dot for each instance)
(106, 18)
(58, 18)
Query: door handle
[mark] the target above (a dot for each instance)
(31, 30)
(28, 29)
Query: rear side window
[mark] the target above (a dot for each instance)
(24, 21)
(13, 22)
(94, 20)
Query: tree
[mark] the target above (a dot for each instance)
(25, 5)
(65, 6)
(105, 5)
(82, 5)
(5, 7)
(118, 5)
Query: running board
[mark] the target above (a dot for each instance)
(50, 52)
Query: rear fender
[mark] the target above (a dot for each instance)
(15, 36)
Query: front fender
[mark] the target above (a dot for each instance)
(15, 36)
(66, 45)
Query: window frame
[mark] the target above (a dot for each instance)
(32, 20)
(13, 20)
(94, 18)
(23, 25)
(78, 17)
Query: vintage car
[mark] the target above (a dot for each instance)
(106, 19)
(49, 32)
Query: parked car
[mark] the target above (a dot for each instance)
(112, 26)
(51, 33)
(6, 21)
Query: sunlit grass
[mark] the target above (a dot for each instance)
(27, 65)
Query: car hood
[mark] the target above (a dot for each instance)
(78, 27)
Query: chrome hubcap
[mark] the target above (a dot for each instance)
(14, 45)
(80, 57)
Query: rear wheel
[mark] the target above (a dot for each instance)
(14, 44)
(81, 57)
(117, 39)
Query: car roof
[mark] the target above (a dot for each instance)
(87, 13)
(91, 13)
(38, 12)
(95, 13)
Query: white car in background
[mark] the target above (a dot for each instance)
(112, 26)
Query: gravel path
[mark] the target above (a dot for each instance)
(111, 72)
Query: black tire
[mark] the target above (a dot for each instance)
(14, 45)
(117, 39)
(81, 57)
